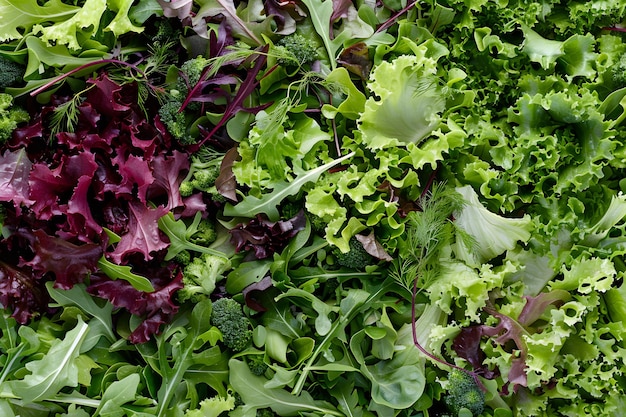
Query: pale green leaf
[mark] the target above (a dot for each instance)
(57, 369)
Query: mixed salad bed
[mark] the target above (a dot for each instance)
(312, 207)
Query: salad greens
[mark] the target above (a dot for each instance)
(312, 208)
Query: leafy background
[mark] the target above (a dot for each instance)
(422, 187)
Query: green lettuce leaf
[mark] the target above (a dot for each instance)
(24, 14)
(57, 369)
(492, 234)
(407, 103)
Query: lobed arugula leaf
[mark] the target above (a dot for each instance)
(256, 395)
(115, 271)
(320, 13)
(57, 369)
(117, 394)
(79, 297)
(268, 203)
(179, 234)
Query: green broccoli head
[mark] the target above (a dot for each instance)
(257, 364)
(265, 412)
(205, 233)
(203, 172)
(296, 50)
(10, 117)
(290, 209)
(200, 276)
(175, 121)
(192, 69)
(186, 188)
(205, 179)
(356, 258)
(10, 72)
(464, 393)
(229, 318)
(183, 258)
(166, 33)
(317, 223)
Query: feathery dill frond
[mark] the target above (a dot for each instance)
(429, 233)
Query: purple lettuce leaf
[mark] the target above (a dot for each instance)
(69, 263)
(265, 237)
(14, 172)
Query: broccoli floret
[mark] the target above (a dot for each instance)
(356, 258)
(464, 393)
(317, 223)
(165, 34)
(200, 276)
(183, 258)
(192, 69)
(170, 112)
(290, 209)
(10, 117)
(175, 121)
(205, 179)
(296, 50)
(203, 172)
(205, 233)
(186, 188)
(265, 412)
(257, 364)
(10, 72)
(229, 318)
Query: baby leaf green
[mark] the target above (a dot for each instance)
(268, 203)
(55, 370)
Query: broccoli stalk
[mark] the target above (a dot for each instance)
(10, 117)
(230, 320)
(464, 393)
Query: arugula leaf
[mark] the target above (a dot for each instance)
(396, 382)
(268, 203)
(256, 395)
(347, 398)
(78, 296)
(353, 302)
(57, 369)
(115, 271)
(117, 394)
(23, 14)
(177, 352)
(320, 13)
(180, 234)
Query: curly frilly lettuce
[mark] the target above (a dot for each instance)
(63, 24)
(409, 101)
(492, 234)
(461, 285)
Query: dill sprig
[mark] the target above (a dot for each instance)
(429, 234)
(64, 117)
